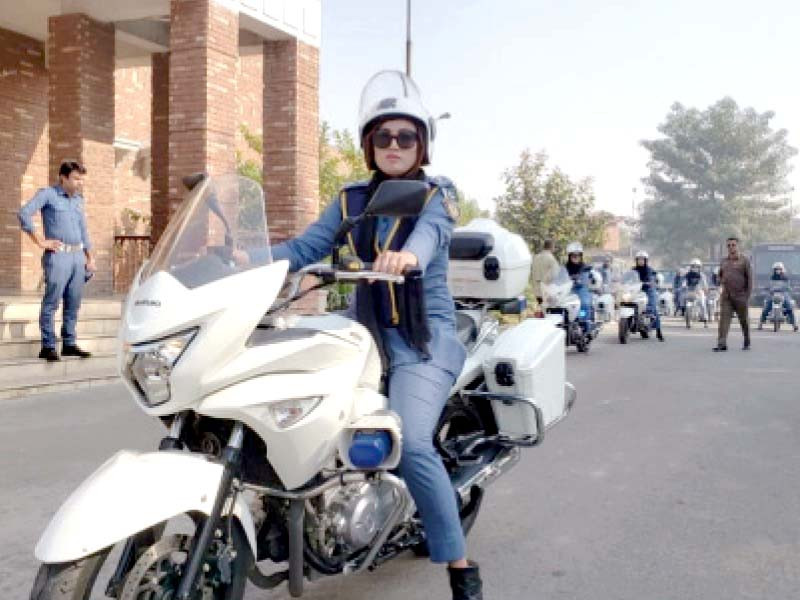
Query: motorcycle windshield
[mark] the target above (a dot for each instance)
(558, 287)
(631, 283)
(219, 230)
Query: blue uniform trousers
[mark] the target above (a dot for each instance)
(652, 304)
(418, 393)
(64, 277)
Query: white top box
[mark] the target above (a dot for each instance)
(488, 262)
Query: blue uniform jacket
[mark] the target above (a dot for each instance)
(429, 242)
(62, 216)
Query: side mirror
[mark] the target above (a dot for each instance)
(398, 198)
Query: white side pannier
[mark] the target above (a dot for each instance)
(488, 262)
(528, 360)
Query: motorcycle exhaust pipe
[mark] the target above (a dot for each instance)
(505, 460)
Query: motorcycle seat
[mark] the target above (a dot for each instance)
(466, 329)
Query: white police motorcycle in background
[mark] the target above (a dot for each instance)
(666, 301)
(695, 305)
(280, 447)
(633, 314)
(712, 304)
(778, 291)
(564, 304)
(604, 304)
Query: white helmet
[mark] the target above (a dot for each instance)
(659, 280)
(778, 265)
(574, 248)
(696, 264)
(642, 254)
(391, 94)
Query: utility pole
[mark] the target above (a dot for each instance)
(408, 38)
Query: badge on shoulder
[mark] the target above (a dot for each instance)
(450, 203)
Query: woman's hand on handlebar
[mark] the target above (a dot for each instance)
(395, 263)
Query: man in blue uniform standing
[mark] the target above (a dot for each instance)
(67, 260)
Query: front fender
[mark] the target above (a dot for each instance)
(626, 312)
(129, 493)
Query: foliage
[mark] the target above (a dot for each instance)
(249, 167)
(468, 209)
(340, 161)
(715, 173)
(541, 203)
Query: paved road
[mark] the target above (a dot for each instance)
(675, 478)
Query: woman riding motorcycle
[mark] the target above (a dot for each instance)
(397, 136)
(778, 274)
(647, 276)
(580, 272)
(695, 280)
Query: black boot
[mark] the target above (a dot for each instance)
(659, 335)
(466, 583)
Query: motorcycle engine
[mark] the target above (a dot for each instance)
(356, 512)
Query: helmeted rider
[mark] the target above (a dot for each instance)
(678, 291)
(647, 276)
(778, 274)
(696, 280)
(423, 355)
(580, 273)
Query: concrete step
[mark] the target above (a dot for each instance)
(20, 349)
(23, 329)
(30, 371)
(26, 308)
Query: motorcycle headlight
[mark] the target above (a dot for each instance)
(290, 412)
(150, 365)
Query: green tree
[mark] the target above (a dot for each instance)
(717, 172)
(541, 203)
(468, 209)
(340, 161)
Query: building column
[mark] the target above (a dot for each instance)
(81, 117)
(204, 39)
(291, 136)
(159, 146)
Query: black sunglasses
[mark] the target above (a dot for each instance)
(406, 138)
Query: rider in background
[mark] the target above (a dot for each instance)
(580, 273)
(677, 290)
(647, 276)
(696, 280)
(778, 274)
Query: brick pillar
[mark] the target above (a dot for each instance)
(291, 138)
(204, 38)
(23, 148)
(81, 112)
(159, 146)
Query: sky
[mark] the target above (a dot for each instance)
(583, 80)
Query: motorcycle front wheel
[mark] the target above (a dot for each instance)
(688, 319)
(623, 331)
(156, 573)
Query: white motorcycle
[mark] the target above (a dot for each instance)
(695, 304)
(712, 304)
(633, 314)
(280, 447)
(604, 305)
(666, 302)
(561, 301)
(778, 292)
